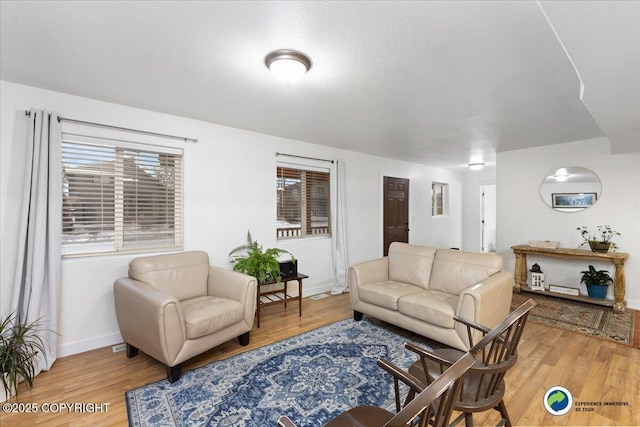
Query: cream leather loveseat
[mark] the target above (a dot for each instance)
(421, 289)
(174, 307)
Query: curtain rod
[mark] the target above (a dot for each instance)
(145, 132)
(303, 157)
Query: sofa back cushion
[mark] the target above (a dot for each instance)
(454, 271)
(410, 263)
(183, 275)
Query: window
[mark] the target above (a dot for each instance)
(119, 196)
(303, 202)
(439, 199)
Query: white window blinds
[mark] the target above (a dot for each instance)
(120, 196)
(303, 198)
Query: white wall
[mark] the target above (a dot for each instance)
(473, 182)
(523, 216)
(228, 189)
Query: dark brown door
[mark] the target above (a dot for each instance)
(396, 211)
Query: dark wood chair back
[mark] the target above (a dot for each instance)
(496, 352)
(434, 404)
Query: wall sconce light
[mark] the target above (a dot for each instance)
(288, 65)
(476, 166)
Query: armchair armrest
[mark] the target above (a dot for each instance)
(428, 354)
(285, 421)
(230, 284)
(149, 319)
(415, 385)
(234, 285)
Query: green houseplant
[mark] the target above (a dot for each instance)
(600, 240)
(19, 348)
(597, 282)
(253, 260)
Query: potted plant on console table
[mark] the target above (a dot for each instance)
(600, 241)
(597, 282)
(256, 262)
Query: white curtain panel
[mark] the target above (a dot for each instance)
(338, 230)
(37, 280)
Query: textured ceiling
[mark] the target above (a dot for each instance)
(438, 83)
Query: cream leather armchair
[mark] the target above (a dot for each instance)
(176, 306)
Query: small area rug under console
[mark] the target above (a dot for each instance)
(588, 319)
(311, 378)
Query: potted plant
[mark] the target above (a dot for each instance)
(599, 241)
(19, 348)
(597, 282)
(251, 259)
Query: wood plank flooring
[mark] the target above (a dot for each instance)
(593, 370)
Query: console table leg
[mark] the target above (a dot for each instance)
(520, 272)
(619, 288)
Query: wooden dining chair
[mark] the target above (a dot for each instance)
(434, 404)
(496, 352)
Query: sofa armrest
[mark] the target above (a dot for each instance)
(231, 284)
(149, 319)
(376, 270)
(486, 303)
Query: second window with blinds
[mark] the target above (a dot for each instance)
(303, 198)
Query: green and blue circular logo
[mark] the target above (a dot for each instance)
(557, 400)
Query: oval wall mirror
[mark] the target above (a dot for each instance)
(571, 189)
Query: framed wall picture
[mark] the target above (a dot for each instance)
(573, 200)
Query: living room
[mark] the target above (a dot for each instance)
(216, 218)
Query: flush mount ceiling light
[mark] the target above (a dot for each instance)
(288, 65)
(561, 177)
(476, 166)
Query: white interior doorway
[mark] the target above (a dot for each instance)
(488, 217)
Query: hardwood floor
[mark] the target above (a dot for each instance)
(593, 370)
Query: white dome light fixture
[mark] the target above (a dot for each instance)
(288, 65)
(476, 166)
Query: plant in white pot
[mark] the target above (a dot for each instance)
(597, 282)
(20, 345)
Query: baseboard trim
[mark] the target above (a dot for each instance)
(72, 348)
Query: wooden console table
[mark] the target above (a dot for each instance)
(279, 296)
(618, 259)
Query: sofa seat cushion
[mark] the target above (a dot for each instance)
(435, 307)
(207, 314)
(386, 294)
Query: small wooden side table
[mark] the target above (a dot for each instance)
(279, 296)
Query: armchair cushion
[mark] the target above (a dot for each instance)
(206, 315)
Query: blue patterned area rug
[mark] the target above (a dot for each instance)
(311, 377)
